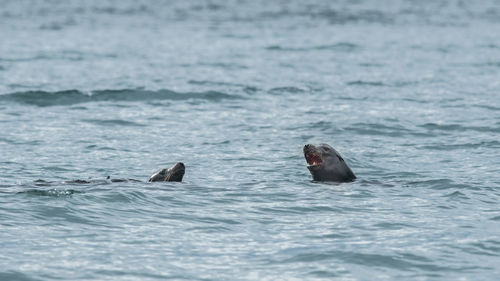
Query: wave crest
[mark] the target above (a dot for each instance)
(71, 97)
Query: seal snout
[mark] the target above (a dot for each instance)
(178, 168)
(179, 165)
(308, 148)
(176, 172)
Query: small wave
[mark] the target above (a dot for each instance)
(402, 261)
(70, 97)
(280, 90)
(482, 248)
(443, 127)
(227, 66)
(341, 47)
(456, 195)
(490, 46)
(112, 10)
(335, 17)
(371, 64)
(392, 226)
(209, 229)
(379, 129)
(16, 275)
(113, 122)
(322, 125)
(300, 210)
(68, 55)
(448, 147)
(457, 127)
(490, 107)
(58, 25)
(214, 83)
(50, 192)
(245, 88)
(25, 142)
(365, 83)
(442, 184)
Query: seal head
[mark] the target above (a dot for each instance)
(326, 164)
(175, 173)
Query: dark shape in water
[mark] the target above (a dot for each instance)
(50, 192)
(326, 164)
(175, 173)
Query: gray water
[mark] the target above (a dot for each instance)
(406, 91)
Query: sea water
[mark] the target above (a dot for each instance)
(407, 91)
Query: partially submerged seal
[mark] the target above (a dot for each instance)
(175, 173)
(326, 164)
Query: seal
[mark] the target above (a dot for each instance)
(326, 164)
(175, 173)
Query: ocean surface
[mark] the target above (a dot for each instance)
(407, 91)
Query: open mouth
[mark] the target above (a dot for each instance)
(313, 159)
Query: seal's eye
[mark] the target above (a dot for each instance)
(326, 151)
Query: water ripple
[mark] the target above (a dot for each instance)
(341, 47)
(71, 97)
(113, 122)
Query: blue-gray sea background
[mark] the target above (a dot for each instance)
(407, 91)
